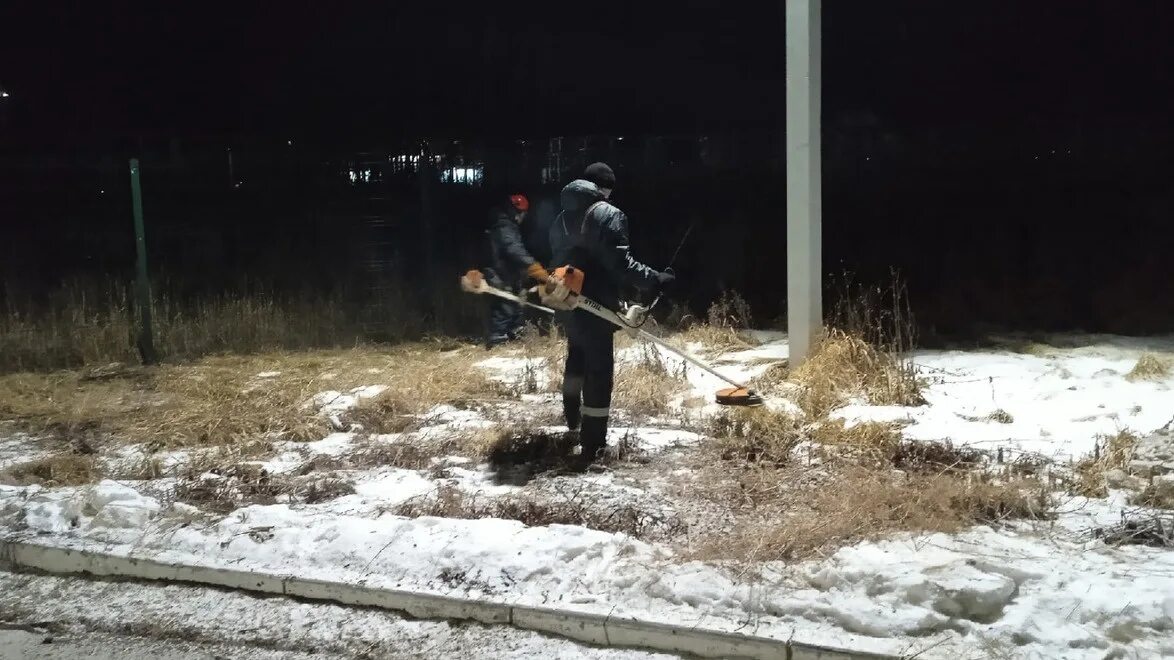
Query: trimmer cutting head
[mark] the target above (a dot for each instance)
(738, 396)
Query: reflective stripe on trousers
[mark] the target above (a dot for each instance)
(589, 411)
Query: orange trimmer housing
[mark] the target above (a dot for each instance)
(571, 277)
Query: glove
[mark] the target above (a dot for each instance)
(537, 272)
(555, 294)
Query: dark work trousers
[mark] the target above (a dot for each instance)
(505, 317)
(505, 320)
(587, 380)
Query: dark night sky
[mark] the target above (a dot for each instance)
(95, 69)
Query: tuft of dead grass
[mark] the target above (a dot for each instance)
(726, 322)
(867, 443)
(755, 435)
(647, 385)
(859, 503)
(1110, 452)
(388, 412)
(60, 469)
(1001, 416)
(845, 365)
(1149, 367)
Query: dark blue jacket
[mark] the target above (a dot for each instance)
(592, 235)
(508, 257)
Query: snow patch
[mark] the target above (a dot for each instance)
(333, 401)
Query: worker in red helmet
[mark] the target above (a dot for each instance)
(509, 265)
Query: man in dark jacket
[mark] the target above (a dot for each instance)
(592, 235)
(509, 264)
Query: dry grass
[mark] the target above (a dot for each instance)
(1110, 453)
(727, 319)
(388, 412)
(85, 325)
(1149, 367)
(61, 469)
(866, 443)
(565, 508)
(1153, 530)
(225, 489)
(755, 435)
(859, 503)
(647, 385)
(223, 400)
(844, 366)
(417, 454)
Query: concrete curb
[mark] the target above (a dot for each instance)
(580, 626)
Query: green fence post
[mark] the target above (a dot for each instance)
(146, 341)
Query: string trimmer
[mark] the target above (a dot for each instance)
(738, 395)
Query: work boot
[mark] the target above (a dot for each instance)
(592, 438)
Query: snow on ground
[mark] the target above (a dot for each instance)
(333, 401)
(19, 448)
(1059, 403)
(517, 371)
(244, 626)
(1024, 591)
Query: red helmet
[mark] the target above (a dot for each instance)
(520, 202)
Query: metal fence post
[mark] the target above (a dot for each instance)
(146, 343)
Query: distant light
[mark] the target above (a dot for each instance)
(1036, 157)
(868, 158)
(102, 192)
(289, 142)
(1053, 152)
(621, 138)
(3, 95)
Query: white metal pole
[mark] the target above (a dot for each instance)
(804, 190)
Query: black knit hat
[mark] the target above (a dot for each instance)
(601, 175)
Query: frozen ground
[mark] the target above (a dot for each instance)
(181, 622)
(1046, 590)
